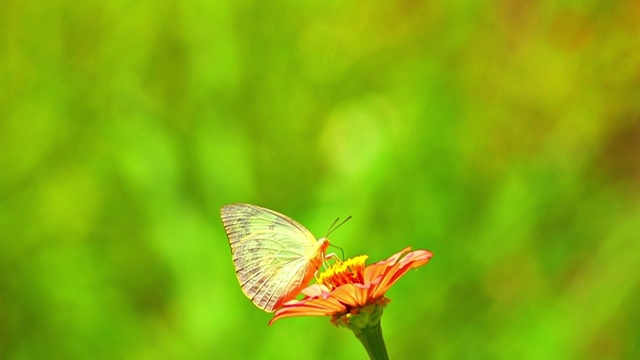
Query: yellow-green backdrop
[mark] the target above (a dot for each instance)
(504, 136)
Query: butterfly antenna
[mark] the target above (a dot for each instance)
(333, 226)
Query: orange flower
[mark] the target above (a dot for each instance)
(349, 288)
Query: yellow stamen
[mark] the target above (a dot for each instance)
(343, 272)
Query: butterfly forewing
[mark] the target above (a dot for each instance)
(271, 253)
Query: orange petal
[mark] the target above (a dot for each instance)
(315, 290)
(385, 281)
(364, 291)
(395, 257)
(315, 307)
(417, 258)
(351, 295)
(411, 261)
(296, 311)
(377, 269)
(373, 272)
(394, 273)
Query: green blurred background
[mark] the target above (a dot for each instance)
(503, 136)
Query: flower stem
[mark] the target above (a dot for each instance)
(372, 340)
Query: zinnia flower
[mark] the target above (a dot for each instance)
(354, 295)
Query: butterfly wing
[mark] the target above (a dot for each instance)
(274, 256)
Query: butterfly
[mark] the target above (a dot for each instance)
(275, 257)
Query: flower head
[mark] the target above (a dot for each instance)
(352, 293)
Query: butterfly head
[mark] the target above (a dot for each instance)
(320, 254)
(324, 244)
(324, 241)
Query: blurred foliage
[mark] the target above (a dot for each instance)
(503, 136)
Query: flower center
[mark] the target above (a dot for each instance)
(344, 272)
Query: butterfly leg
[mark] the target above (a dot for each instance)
(329, 256)
(325, 263)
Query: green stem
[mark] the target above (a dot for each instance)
(372, 340)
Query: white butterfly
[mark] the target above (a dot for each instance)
(275, 257)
